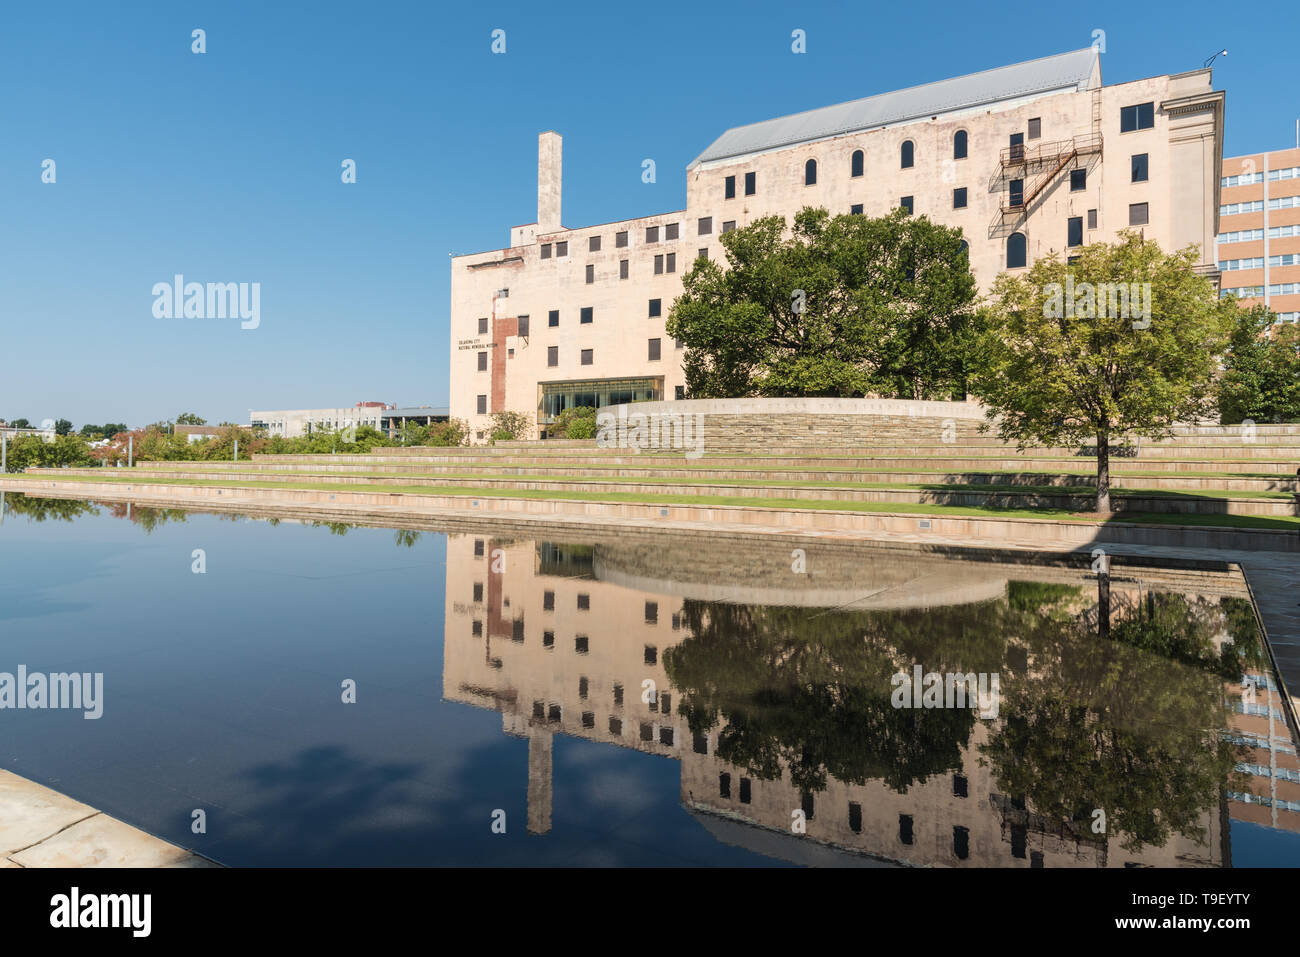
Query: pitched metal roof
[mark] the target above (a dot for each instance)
(1063, 71)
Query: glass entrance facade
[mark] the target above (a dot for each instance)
(555, 397)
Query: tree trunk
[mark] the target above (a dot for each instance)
(1103, 471)
(1103, 604)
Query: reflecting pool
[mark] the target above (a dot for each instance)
(342, 695)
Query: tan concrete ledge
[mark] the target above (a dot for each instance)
(43, 828)
(1043, 533)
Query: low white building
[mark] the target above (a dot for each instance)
(385, 417)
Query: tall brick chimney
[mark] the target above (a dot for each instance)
(549, 150)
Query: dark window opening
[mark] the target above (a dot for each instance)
(1140, 116)
(1017, 250)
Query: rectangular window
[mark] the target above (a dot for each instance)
(654, 350)
(728, 226)
(580, 644)
(959, 198)
(651, 655)
(1138, 166)
(622, 269)
(652, 607)
(652, 234)
(670, 231)
(1078, 180)
(656, 307)
(751, 183)
(482, 327)
(482, 405)
(586, 314)
(586, 357)
(729, 191)
(620, 240)
(1016, 193)
(1074, 231)
(703, 253)
(552, 356)
(591, 274)
(522, 329)
(546, 250)
(553, 318)
(548, 601)
(961, 842)
(482, 362)
(1140, 116)
(959, 786)
(659, 264)
(745, 792)
(855, 209)
(672, 262)
(906, 203)
(1138, 214)
(724, 785)
(704, 227)
(1092, 219)
(584, 602)
(561, 249)
(593, 244)
(679, 392)
(855, 817)
(905, 828)
(618, 696)
(1035, 127)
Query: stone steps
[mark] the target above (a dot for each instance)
(1146, 502)
(413, 474)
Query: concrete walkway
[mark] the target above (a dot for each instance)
(43, 828)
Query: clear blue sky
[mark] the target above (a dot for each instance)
(225, 166)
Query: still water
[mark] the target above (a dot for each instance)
(336, 695)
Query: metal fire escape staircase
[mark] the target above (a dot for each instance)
(1036, 167)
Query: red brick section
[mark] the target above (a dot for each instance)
(498, 625)
(501, 328)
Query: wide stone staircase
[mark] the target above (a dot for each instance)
(1200, 475)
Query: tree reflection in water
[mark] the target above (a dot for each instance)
(1130, 723)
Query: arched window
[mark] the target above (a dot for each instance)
(965, 251)
(810, 173)
(1016, 250)
(906, 154)
(959, 145)
(856, 163)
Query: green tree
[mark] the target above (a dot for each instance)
(1261, 377)
(511, 425)
(575, 422)
(837, 306)
(189, 418)
(20, 424)
(1058, 365)
(62, 427)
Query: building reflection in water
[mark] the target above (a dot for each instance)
(1137, 715)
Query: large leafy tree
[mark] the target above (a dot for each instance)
(1261, 379)
(1059, 366)
(834, 306)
